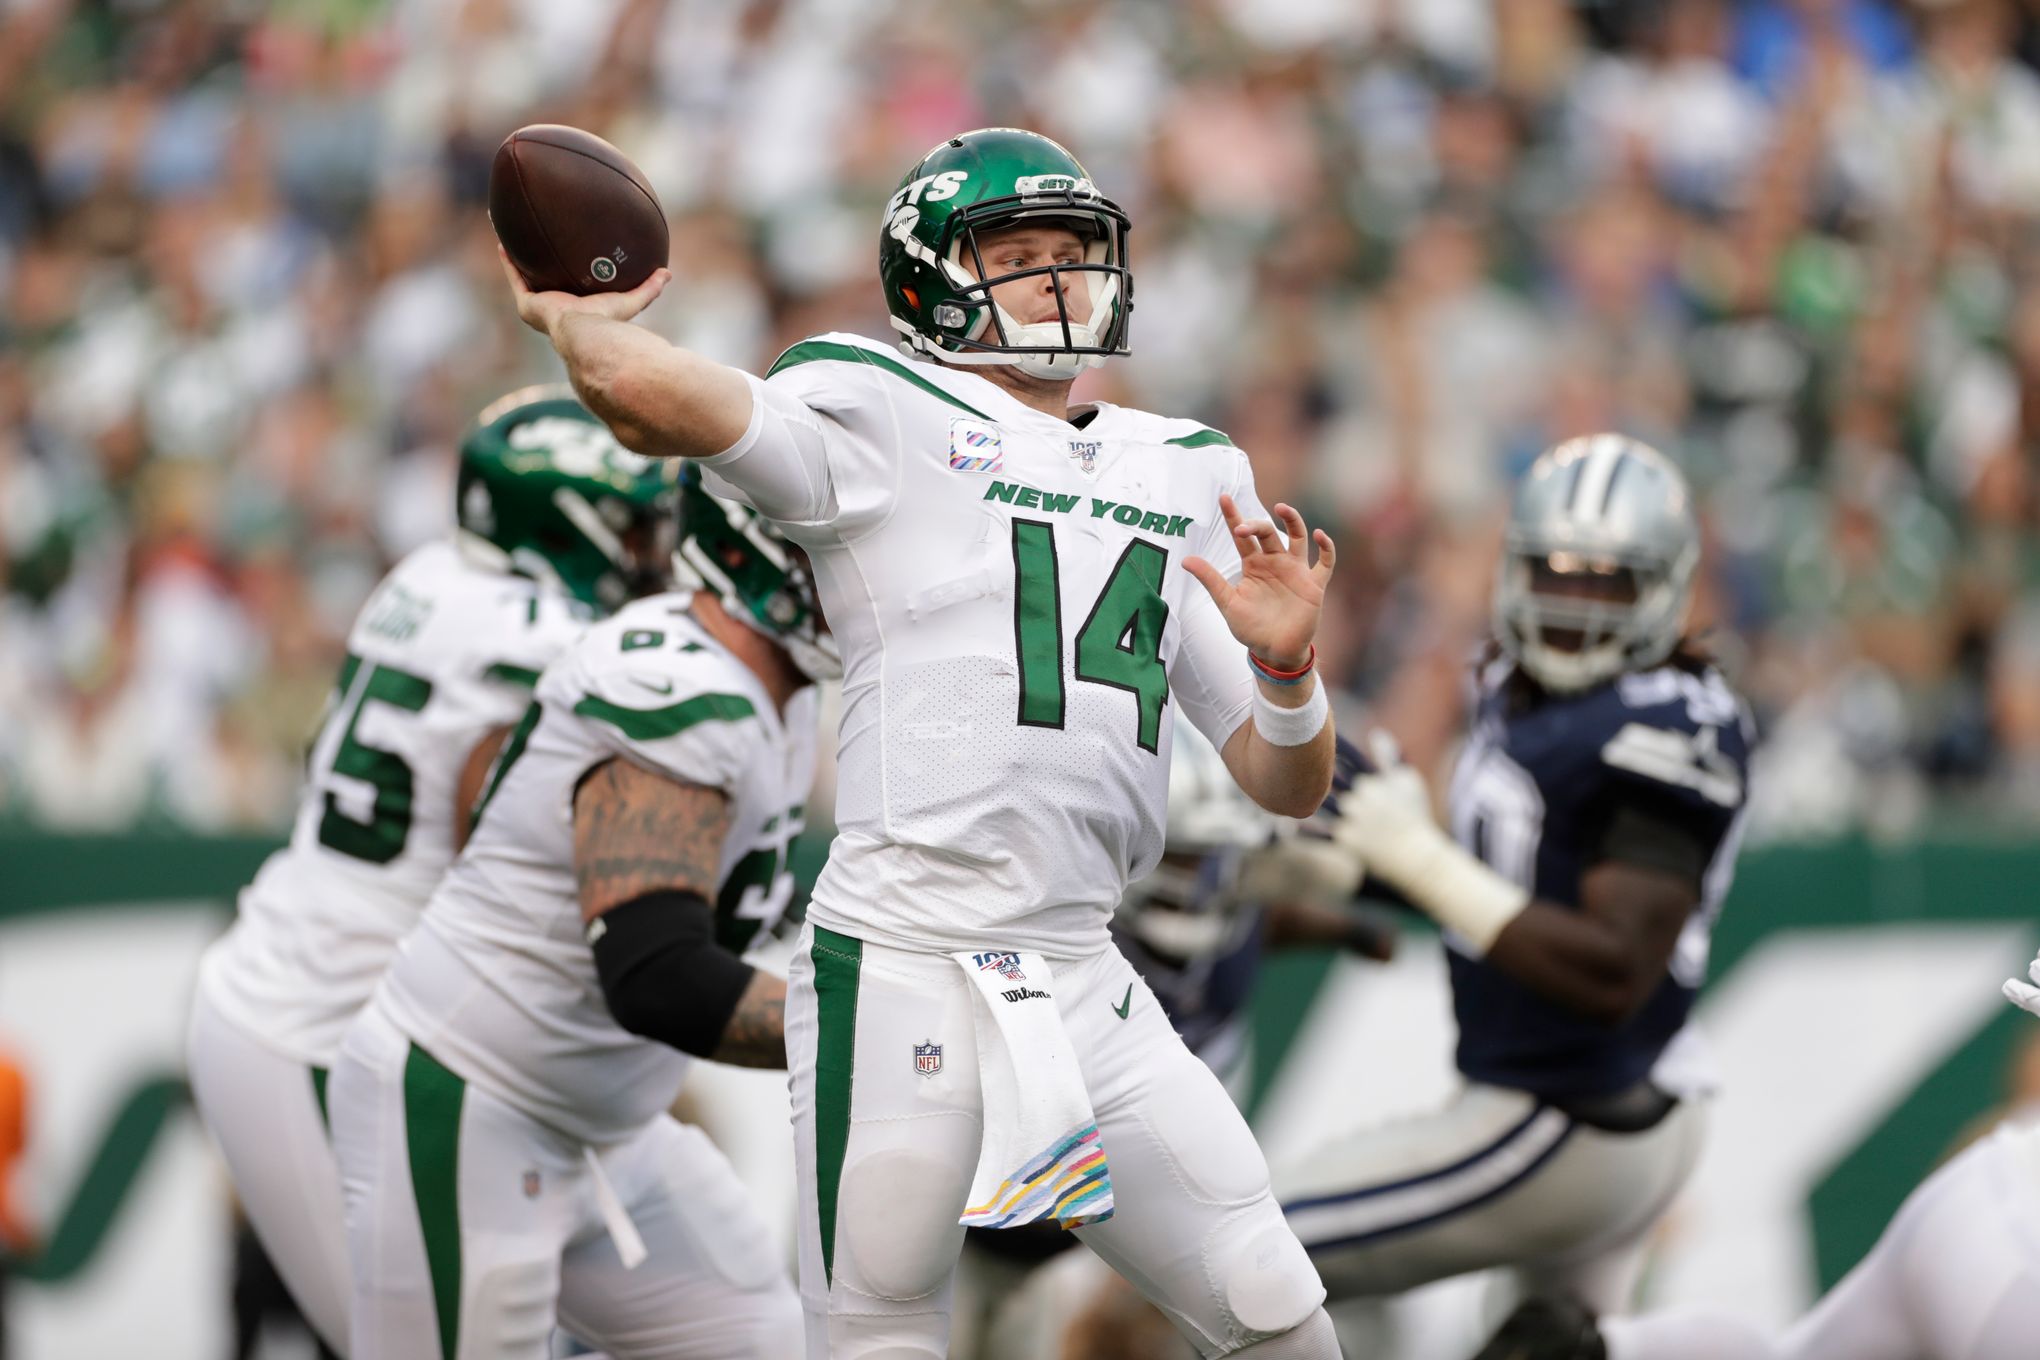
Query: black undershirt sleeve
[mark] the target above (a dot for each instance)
(1653, 838)
(663, 975)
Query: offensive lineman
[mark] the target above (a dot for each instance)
(1010, 578)
(556, 523)
(1596, 807)
(1955, 1276)
(499, 1110)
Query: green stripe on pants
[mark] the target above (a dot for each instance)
(319, 1075)
(836, 959)
(432, 1101)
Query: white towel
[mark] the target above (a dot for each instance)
(630, 1246)
(1041, 1157)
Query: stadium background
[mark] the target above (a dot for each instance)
(248, 298)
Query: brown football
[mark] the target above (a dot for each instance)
(572, 211)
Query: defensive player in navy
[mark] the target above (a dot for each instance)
(1594, 816)
(556, 526)
(499, 1110)
(1011, 578)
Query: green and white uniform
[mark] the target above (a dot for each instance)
(1008, 592)
(489, 1044)
(444, 652)
(1016, 626)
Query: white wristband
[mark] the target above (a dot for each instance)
(1463, 894)
(1291, 726)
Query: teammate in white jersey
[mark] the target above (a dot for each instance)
(556, 524)
(1956, 1276)
(499, 1110)
(1011, 581)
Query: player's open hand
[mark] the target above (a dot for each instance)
(542, 311)
(1274, 607)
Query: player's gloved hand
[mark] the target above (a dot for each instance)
(1385, 819)
(2025, 995)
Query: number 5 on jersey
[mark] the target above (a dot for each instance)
(1120, 644)
(380, 838)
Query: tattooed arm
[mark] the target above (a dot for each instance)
(755, 1035)
(646, 851)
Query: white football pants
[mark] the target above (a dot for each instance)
(885, 1154)
(1956, 1276)
(471, 1227)
(1496, 1178)
(268, 1115)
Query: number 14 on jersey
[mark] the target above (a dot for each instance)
(1119, 644)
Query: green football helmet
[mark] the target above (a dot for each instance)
(763, 580)
(936, 285)
(546, 491)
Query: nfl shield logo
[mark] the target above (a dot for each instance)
(927, 1059)
(531, 1184)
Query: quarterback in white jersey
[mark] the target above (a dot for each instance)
(499, 1111)
(441, 659)
(1021, 590)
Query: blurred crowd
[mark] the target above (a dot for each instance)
(249, 297)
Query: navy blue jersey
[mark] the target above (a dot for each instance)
(1533, 795)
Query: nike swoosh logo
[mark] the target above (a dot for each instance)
(1125, 1002)
(656, 689)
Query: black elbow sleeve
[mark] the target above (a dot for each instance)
(662, 972)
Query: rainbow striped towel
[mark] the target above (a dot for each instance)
(1041, 1157)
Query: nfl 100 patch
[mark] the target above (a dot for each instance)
(928, 1059)
(1005, 962)
(974, 446)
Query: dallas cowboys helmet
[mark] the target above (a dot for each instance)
(1597, 564)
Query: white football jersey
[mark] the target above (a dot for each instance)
(443, 652)
(1009, 594)
(498, 982)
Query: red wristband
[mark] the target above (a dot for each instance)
(1282, 677)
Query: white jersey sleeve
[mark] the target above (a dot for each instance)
(1210, 677)
(697, 735)
(822, 453)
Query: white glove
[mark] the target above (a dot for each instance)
(1302, 868)
(1385, 820)
(2025, 995)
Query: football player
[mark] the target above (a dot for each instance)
(556, 524)
(1594, 815)
(1233, 885)
(1956, 1276)
(1022, 588)
(499, 1110)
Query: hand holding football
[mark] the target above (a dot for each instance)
(573, 214)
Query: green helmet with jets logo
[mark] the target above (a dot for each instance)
(933, 269)
(545, 490)
(762, 579)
